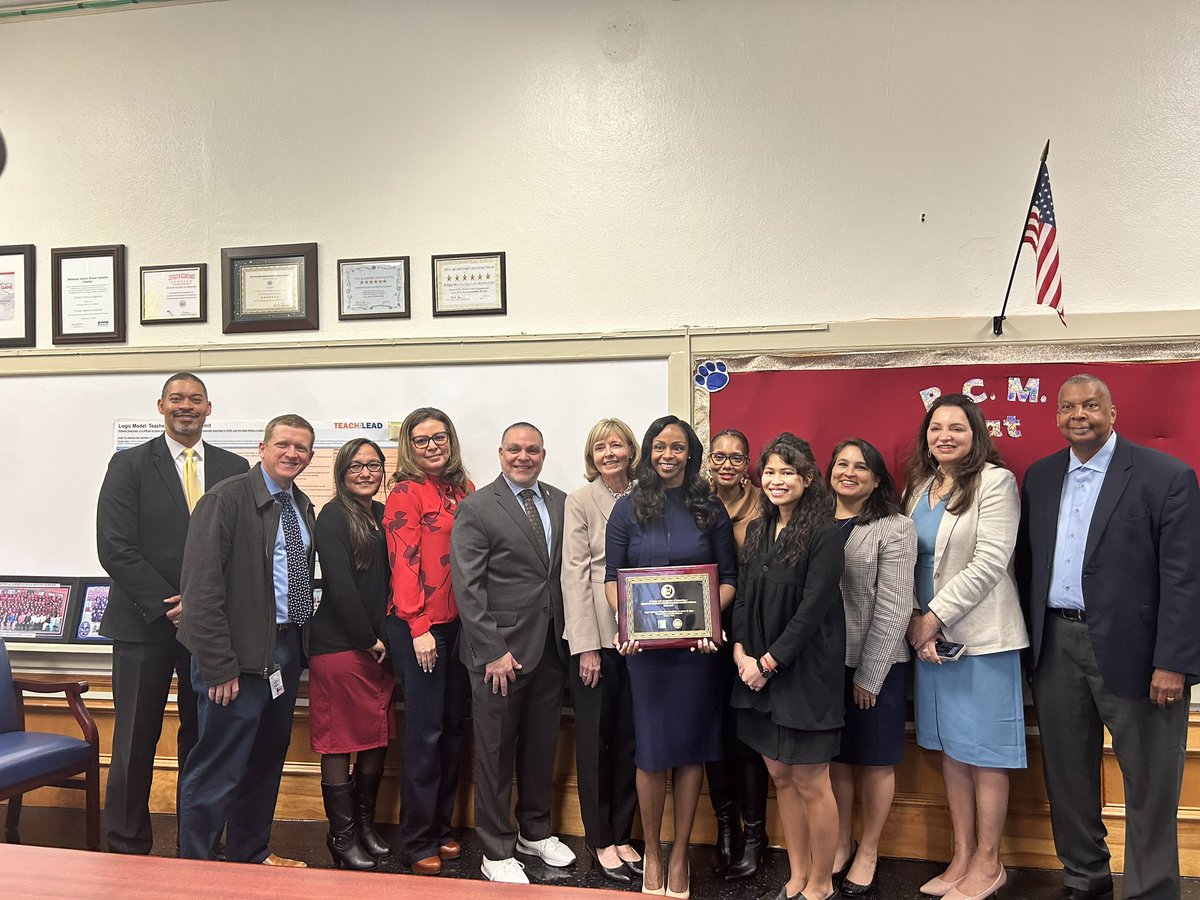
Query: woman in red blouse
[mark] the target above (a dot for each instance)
(422, 632)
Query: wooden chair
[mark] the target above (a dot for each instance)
(31, 759)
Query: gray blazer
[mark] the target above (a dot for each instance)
(506, 588)
(590, 623)
(877, 590)
(974, 592)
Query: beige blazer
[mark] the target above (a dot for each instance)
(974, 592)
(589, 620)
(877, 591)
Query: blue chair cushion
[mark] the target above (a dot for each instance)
(26, 754)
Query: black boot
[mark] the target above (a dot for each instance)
(343, 838)
(720, 792)
(752, 784)
(366, 789)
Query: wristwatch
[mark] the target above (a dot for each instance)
(763, 670)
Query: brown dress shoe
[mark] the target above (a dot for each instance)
(450, 850)
(274, 860)
(430, 865)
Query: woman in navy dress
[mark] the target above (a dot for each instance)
(671, 519)
(966, 509)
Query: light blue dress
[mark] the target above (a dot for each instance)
(970, 709)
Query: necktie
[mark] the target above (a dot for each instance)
(191, 480)
(534, 519)
(300, 595)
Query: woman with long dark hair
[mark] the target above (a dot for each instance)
(877, 596)
(422, 631)
(966, 509)
(350, 678)
(789, 635)
(737, 784)
(671, 519)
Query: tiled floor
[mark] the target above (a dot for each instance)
(898, 879)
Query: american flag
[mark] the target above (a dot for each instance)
(1042, 235)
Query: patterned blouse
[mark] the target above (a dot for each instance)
(417, 521)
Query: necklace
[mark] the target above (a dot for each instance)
(615, 495)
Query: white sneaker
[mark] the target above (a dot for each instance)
(551, 850)
(507, 871)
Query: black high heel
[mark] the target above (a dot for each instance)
(616, 873)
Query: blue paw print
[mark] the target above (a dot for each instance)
(712, 376)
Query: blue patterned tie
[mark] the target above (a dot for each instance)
(300, 595)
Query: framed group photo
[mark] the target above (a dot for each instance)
(87, 286)
(269, 288)
(89, 610)
(469, 284)
(18, 310)
(39, 610)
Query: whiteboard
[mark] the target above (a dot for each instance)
(60, 433)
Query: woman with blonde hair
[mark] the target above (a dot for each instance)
(597, 674)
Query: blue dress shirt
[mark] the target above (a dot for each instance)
(1081, 489)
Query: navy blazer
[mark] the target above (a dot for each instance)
(142, 523)
(1141, 566)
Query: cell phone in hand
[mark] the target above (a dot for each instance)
(948, 651)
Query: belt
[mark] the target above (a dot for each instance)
(1075, 615)
(285, 626)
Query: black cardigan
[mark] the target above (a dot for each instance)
(795, 612)
(354, 602)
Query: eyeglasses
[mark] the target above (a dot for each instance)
(736, 459)
(421, 441)
(374, 467)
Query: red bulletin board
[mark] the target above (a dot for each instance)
(885, 406)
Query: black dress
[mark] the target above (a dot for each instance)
(795, 613)
(676, 693)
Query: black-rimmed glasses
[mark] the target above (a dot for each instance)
(374, 467)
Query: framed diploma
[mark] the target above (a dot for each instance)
(673, 606)
(174, 293)
(18, 313)
(270, 288)
(93, 600)
(469, 285)
(88, 294)
(373, 288)
(36, 609)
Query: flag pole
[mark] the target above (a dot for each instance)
(998, 321)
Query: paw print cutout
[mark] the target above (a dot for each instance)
(712, 375)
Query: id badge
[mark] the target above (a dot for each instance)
(275, 679)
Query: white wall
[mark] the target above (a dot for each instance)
(644, 164)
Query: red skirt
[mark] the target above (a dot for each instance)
(350, 702)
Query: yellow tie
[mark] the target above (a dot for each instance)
(191, 482)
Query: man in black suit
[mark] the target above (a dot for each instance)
(1109, 568)
(506, 563)
(142, 521)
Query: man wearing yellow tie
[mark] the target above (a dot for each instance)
(142, 519)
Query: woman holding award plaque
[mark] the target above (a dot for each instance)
(737, 784)
(671, 519)
(789, 636)
(597, 674)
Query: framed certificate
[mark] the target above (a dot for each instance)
(373, 288)
(271, 288)
(88, 294)
(469, 285)
(36, 609)
(174, 293)
(18, 313)
(93, 600)
(672, 606)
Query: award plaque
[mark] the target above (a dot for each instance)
(672, 606)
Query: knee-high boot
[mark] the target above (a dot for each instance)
(720, 792)
(752, 796)
(366, 790)
(342, 841)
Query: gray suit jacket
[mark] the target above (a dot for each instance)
(507, 589)
(877, 590)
